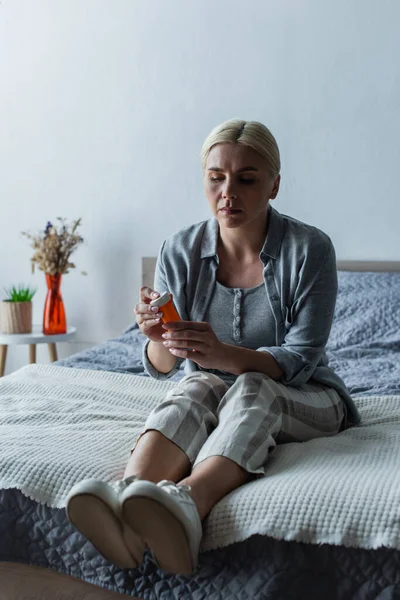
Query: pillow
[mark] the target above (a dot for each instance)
(367, 311)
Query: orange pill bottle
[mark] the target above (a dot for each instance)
(166, 305)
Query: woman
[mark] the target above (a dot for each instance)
(256, 292)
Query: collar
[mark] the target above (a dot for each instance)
(272, 244)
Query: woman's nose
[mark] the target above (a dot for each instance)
(229, 190)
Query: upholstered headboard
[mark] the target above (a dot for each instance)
(149, 264)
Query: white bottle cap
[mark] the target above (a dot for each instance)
(163, 299)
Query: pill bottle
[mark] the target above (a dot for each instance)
(166, 305)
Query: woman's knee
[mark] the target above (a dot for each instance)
(251, 390)
(200, 384)
(203, 377)
(199, 388)
(252, 377)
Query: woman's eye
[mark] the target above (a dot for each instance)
(247, 181)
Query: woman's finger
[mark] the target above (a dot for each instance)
(142, 308)
(147, 293)
(192, 325)
(144, 318)
(186, 334)
(193, 344)
(148, 323)
(191, 354)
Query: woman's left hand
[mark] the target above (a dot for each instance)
(196, 341)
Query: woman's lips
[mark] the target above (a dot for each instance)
(231, 211)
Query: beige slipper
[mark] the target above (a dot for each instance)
(167, 520)
(94, 508)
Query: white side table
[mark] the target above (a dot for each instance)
(36, 337)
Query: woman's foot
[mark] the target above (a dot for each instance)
(94, 508)
(166, 518)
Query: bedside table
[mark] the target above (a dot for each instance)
(36, 337)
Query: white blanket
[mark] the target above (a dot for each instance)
(59, 425)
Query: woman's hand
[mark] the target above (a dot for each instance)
(149, 317)
(194, 340)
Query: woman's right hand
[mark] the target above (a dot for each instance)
(148, 319)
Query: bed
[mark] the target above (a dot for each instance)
(42, 556)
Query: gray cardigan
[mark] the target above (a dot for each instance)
(300, 282)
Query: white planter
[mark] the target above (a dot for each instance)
(15, 317)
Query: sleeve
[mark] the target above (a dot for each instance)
(160, 285)
(313, 312)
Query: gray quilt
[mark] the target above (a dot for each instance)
(364, 348)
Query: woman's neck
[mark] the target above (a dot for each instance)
(243, 244)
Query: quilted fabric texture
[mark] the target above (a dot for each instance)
(364, 343)
(260, 568)
(320, 491)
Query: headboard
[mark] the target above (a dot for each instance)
(149, 264)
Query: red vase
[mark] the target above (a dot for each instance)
(54, 314)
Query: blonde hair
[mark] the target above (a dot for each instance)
(248, 133)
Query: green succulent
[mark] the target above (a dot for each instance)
(19, 294)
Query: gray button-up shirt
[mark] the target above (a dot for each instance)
(240, 317)
(300, 279)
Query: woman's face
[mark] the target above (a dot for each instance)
(238, 184)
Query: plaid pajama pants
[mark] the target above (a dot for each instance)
(244, 421)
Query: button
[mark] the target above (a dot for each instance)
(237, 305)
(274, 298)
(281, 323)
(237, 319)
(307, 368)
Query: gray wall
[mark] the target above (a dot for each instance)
(104, 107)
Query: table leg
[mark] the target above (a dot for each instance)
(3, 356)
(52, 352)
(32, 353)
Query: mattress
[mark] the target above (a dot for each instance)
(364, 349)
(258, 568)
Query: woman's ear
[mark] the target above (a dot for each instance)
(275, 189)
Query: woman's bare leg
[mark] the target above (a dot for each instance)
(174, 540)
(212, 479)
(156, 457)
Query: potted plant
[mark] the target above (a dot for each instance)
(16, 310)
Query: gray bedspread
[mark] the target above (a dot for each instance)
(260, 568)
(364, 348)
